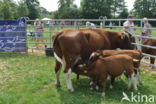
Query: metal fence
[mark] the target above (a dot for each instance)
(55, 25)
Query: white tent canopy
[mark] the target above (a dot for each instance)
(46, 19)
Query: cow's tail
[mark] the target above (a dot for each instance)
(56, 47)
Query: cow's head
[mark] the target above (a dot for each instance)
(94, 56)
(124, 41)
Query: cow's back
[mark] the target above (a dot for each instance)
(150, 42)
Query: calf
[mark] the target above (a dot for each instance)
(112, 66)
(135, 54)
(151, 51)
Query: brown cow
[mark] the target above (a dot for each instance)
(151, 51)
(135, 54)
(112, 66)
(70, 46)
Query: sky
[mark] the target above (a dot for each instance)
(51, 5)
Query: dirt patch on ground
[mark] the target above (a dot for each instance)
(37, 52)
(147, 68)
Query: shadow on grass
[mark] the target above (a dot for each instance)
(83, 94)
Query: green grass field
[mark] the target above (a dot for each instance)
(30, 79)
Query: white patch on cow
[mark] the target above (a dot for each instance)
(77, 60)
(97, 87)
(91, 88)
(135, 60)
(91, 83)
(134, 81)
(58, 58)
(129, 83)
(69, 81)
(103, 94)
(139, 78)
(111, 87)
(80, 66)
(91, 55)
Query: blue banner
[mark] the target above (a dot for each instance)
(13, 35)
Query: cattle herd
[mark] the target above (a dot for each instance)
(98, 53)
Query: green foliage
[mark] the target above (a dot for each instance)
(22, 9)
(123, 14)
(32, 8)
(145, 8)
(6, 9)
(67, 10)
(108, 8)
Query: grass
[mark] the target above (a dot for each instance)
(30, 79)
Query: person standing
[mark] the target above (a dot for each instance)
(90, 25)
(146, 29)
(39, 40)
(130, 28)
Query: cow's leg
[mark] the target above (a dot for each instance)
(112, 82)
(152, 60)
(139, 76)
(69, 81)
(57, 72)
(78, 77)
(129, 83)
(94, 84)
(103, 87)
(134, 81)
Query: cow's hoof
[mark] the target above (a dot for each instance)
(58, 85)
(140, 83)
(129, 87)
(71, 90)
(97, 88)
(91, 83)
(111, 87)
(91, 88)
(136, 90)
(103, 94)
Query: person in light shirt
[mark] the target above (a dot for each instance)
(39, 41)
(90, 25)
(146, 29)
(130, 28)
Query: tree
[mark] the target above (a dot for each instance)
(96, 8)
(5, 10)
(43, 12)
(118, 7)
(67, 10)
(144, 8)
(65, 4)
(32, 8)
(124, 13)
(93, 9)
(22, 10)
